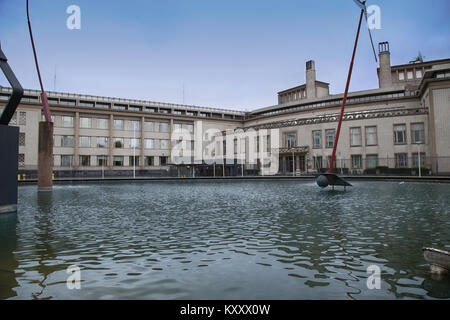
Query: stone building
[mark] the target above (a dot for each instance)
(400, 127)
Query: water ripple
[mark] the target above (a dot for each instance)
(224, 240)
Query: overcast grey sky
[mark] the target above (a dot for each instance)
(229, 54)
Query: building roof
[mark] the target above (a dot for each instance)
(303, 86)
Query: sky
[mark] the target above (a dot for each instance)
(234, 54)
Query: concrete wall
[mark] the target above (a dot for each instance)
(441, 107)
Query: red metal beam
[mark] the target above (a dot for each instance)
(44, 99)
(336, 139)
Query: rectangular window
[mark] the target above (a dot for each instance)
(21, 160)
(164, 144)
(163, 127)
(177, 127)
(149, 161)
(417, 160)
(85, 161)
(135, 143)
(67, 122)
(148, 143)
(267, 144)
(118, 124)
(85, 123)
(317, 139)
(135, 125)
(67, 141)
(163, 161)
(85, 142)
(417, 133)
(118, 161)
(400, 134)
(102, 142)
(149, 126)
(291, 140)
(190, 128)
(190, 145)
(22, 139)
(371, 136)
(401, 160)
(418, 74)
(330, 136)
(355, 137)
(372, 161)
(410, 75)
(102, 105)
(103, 123)
(401, 76)
(66, 160)
(135, 108)
(22, 118)
(133, 161)
(318, 162)
(119, 107)
(118, 143)
(14, 119)
(356, 161)
(102, 161)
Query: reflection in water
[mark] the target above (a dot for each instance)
(228, 240)
(8, 263)
(43, 234)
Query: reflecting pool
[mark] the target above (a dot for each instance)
(225, 240)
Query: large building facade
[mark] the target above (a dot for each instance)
(401, 127)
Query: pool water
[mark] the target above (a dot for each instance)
(225, 240)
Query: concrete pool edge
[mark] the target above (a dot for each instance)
(428, 179)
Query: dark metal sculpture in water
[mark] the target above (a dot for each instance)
(330, 178)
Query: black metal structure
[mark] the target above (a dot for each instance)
(9, 142)
(17, 93)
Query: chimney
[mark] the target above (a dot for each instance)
(385, 73)
(310, 79)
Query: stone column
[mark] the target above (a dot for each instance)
(45, 156)
(171, 144)
(111, 142)
(142, 156)
(76, 158)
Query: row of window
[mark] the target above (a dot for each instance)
(123, 107)
(409, 75)
(21, 120)
(118, 143)
(119, 124)
(356, 139)
(372, 161)
(336, 102)
(118, 161)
